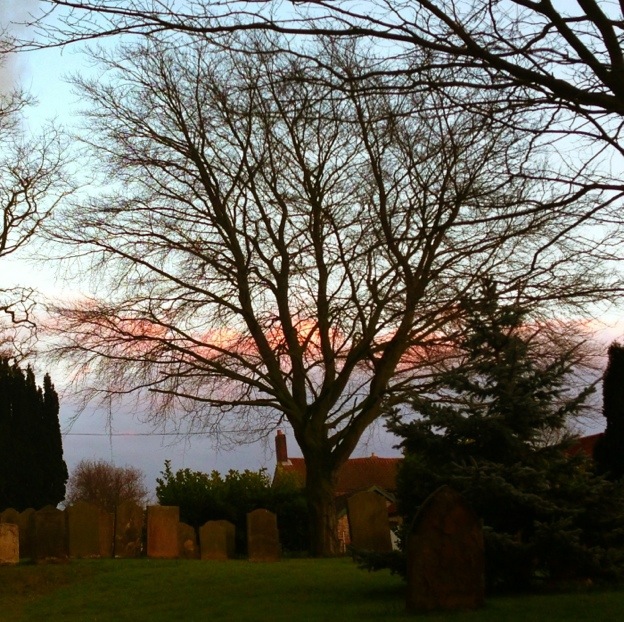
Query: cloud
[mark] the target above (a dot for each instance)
(13, 13)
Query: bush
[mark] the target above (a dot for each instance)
(202, 497)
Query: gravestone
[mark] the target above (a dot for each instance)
(26, 525)
(83, 530)
(262, 536)
(107, 533)
(217, 540)
(368, 522)
(162, 531)
(187, 542)
(9, 515)
(129, 521)
(9, 544)
(445, 556)
(50, 534)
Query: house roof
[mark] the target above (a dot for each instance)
(584, 445)
(354, 475)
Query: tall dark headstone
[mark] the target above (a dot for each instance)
(262, 536)
(107, 533)
(129, 521)
(50, 534)
(445, 556)
(217, 540)
(187, 542)
(26, 524)
(368, 522)
(162, 531)
(83, 530)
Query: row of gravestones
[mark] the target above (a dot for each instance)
(445, 553)
(83, 530)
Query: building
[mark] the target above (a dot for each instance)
(355, 475)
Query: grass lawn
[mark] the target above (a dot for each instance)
(304, 589)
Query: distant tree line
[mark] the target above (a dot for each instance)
(32, 470)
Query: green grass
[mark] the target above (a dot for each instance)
(305, 589)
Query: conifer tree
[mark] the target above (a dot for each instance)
(609, 450)
(545, 513)
(32, 470)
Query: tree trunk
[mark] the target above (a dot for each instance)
(320, 494)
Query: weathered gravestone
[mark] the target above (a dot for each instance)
(9, 544)
(10, 515)
(26, 525)
(83, 530)
(129, 521)
(262, 536)
(107, 533)
(217, 540)
(368, 522)
(50, 534)
(445, 556)
(162, 531)
(187, 542)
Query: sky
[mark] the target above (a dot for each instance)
(42, 74)
(127, 441)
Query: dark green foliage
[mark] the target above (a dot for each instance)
(202, 497)
(547, 517)
(32, 470)
(609, 450)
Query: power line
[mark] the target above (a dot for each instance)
(107, 434)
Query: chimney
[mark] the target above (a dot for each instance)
(280, 447)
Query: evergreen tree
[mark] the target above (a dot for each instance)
(545, 514)
(609, 450)
(32, 470)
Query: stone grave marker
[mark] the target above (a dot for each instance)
(107, 533)
(83, 530)
(129, 521)
(187, 542)
(445, 555)
(50, 534)
(162, 531)
(262, 536)
(26, 525)
(217, 540)
(368, 522)
(9, 544)
(10, 515)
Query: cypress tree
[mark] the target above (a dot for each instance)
(32, 470)
(609, 450)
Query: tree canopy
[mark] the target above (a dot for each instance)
(486, 431)
(271, 244)
(103, 484)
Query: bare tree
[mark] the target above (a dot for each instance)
(32, 182)
(106, 485)
(571, 52)
(564, 59)
(270, 247)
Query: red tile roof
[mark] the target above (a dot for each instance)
(584, 445)
(354, 475)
